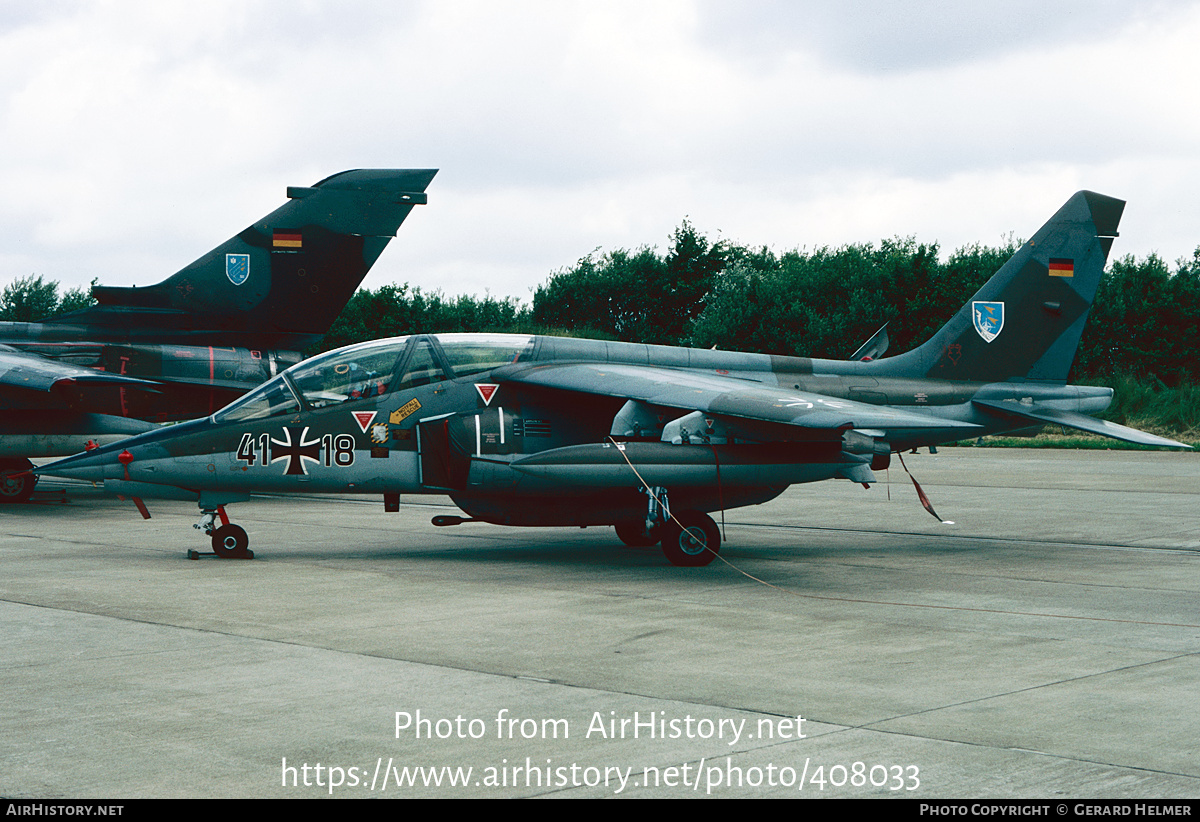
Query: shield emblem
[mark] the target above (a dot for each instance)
(988, 319)
(237, 268)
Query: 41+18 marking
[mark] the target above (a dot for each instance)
(331, 449)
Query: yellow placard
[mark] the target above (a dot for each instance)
(400, 414)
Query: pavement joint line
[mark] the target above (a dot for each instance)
(1058, 489)
(1029, 688)
(863, 565)
(964, 537)
(986, 746)
(838, 728)
(999, 611)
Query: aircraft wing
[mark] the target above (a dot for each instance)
(1072, 419)
(35, 373)
(728, 397)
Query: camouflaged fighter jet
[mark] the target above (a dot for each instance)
(539, 431)
(193, 343)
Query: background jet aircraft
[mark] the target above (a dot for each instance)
(189, 345)
(528, 430)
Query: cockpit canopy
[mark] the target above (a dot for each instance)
(376, 368)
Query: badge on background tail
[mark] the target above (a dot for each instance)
(988, 319)
(237, 268)
(486, 391)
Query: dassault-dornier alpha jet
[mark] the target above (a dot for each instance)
(185, 347)
(539, 431)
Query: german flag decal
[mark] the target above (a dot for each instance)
(1062, 267)
(288, 239)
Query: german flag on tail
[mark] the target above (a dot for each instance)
(287, 240)
(1062, 267)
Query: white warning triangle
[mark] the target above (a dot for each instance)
(486, 391)
(363, 418)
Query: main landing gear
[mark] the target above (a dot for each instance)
(229, 541)
(16, 483)
(636, 535)
(689, 539)
(693, 541)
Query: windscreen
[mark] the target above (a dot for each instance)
(351, 373)
(474, 353)
(354, 372)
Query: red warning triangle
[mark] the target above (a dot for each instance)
(363, 418)
(486, 391)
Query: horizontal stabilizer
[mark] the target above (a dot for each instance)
(1081, 422)
(101, 378)
(34, 373)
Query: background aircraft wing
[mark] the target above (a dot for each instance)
(728, 397)
(34, 373)
(1071, 419)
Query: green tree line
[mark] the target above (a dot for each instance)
(826, 301)
(29, 299)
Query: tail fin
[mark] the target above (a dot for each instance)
(1024, 324)
(282, 281)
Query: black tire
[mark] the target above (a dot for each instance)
(695, 544)
(13, 488)
(634, 534)
(230, 542)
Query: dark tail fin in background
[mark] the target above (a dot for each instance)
(282, 281)
(1024, 324)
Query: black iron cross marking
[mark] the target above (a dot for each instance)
(296, 453)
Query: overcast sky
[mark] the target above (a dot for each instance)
(137, 135)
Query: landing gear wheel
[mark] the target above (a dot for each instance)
(634, 534)
(14, 488)
(230, 541)
(695, 544)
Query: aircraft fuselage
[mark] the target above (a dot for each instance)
(520, 453)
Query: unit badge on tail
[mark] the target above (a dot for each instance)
(237, 268)
(988, 319)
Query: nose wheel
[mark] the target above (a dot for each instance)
(229, 541)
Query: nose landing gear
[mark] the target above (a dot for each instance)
(229, 541)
